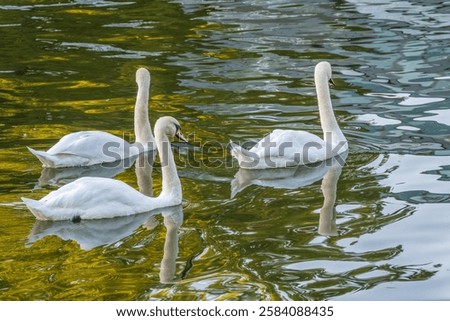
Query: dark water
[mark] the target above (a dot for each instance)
(233, 70)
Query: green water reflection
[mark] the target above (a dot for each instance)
(231, 70)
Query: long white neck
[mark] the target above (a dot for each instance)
(171, 185)
(331, 132)
(142, 129)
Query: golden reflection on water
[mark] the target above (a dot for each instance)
(226, 71)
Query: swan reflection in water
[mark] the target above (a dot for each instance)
(296, 177)
(103, 232)
(63, 175)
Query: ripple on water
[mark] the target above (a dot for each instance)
(235, 70)
(439, 116)
(406, 99)
(426, 175)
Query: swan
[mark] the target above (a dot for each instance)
(86, 148)
(284, 148)
(98, 197)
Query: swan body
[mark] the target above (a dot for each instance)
(85, 148)
(88, 148)
(284, 148)
(97, 197)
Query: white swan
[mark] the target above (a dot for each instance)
(283, 148)
(87, 148)
(96, 197)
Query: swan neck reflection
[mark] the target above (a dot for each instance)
(296, 177)
(143, 170)
(327, 219)
(172, 223)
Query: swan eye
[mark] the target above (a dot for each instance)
(331, 82)
(177, 129)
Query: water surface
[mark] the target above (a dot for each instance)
(233, 70)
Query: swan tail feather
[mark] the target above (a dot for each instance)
(59, 160)
(244, 157)
(45, 158)
(36, 208)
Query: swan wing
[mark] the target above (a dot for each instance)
(90, 198)
(292, 146)
(59, 160)
(97, 146)
(84, 149)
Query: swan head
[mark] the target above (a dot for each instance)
(143, 77)
(170, 126)
(323, 69)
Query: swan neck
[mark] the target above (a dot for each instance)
(171, 185)
(142, 129)
(330, 126)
